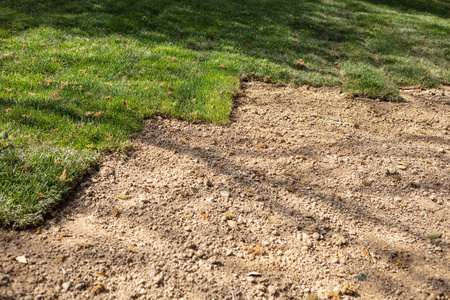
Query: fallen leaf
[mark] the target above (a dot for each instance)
(401, 264)
(255, 250)
(250, 192)
(229, 216)
(366, 252)
(63, 236)
(132, 250)
(277, 133)
(83, 246)
(63, 176)
(41, 195)
(400, 204)
(115, 212)
(182, 193)
(349, 290)
(313, 296)
(61, 258)
(263, 146)
(98, 288)
(334, 295)
(98, 114)
(367, 182)
(291, 189)
(305, 181)
(123, 196)
(259, 173)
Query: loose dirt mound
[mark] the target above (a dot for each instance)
(306, 193)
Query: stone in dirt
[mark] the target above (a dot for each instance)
(225, 193)
(338, 240)
(22, 259)
(255, 274)
(66, 286)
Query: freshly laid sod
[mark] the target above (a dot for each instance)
(78, 77)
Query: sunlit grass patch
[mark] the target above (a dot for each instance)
(39, 177)
(365, 80)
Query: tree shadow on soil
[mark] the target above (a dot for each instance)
(298, 219)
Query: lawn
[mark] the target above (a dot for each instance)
(78, 77)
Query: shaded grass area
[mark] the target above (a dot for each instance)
(78, 77)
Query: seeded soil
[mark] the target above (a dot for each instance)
(306, 194)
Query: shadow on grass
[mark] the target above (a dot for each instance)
(272, 30)
(439, 8)
(249, 27)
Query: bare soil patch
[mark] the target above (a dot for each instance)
(306, 193)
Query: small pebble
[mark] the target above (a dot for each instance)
(225, 193)
(66, 286)
(272, 290)
(254, 274)
(261, 288)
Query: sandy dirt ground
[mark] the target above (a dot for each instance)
(306, 194)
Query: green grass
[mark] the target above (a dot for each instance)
(78, 77)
